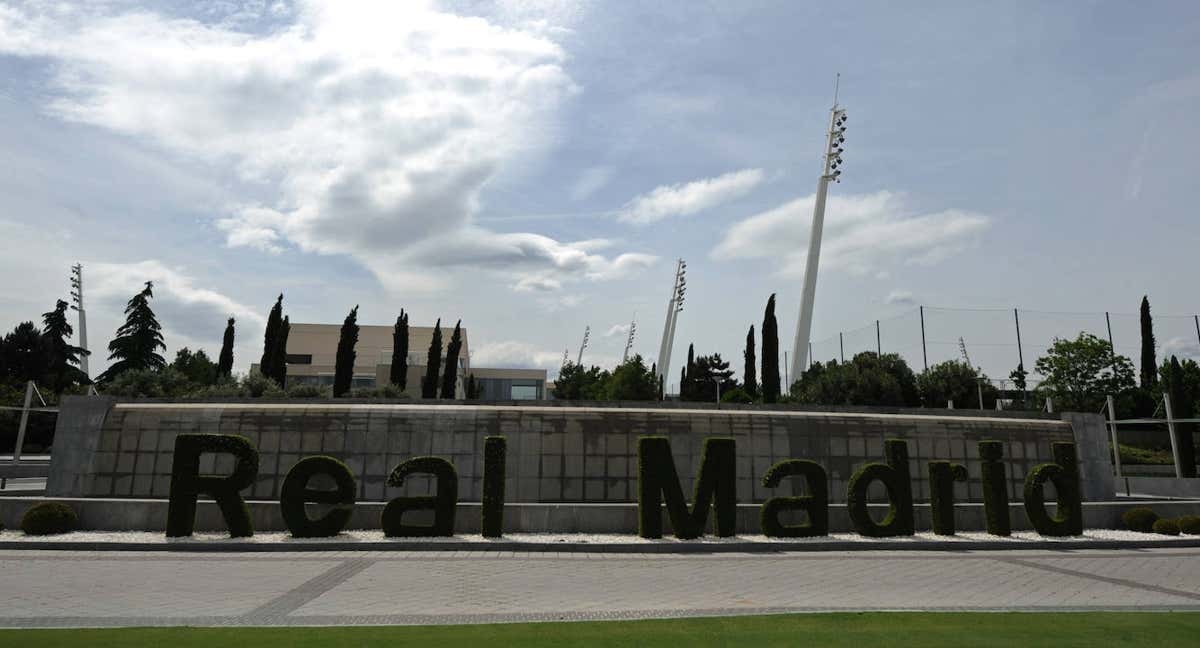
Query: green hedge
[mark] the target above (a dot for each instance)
(942, 475)
(995, 488)
(295, 493)
(187, 484)
(1139, 518)
(49, 518)
(895, 477)
(491, 522)
(815, 504)
(715, 487)
(443, 504)
(1166, 526)
(1064, 474)
(1190, 524)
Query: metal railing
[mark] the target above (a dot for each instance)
(1170, 421)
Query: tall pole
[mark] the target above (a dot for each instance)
(924, 353)
(830, 171)
(674, 306)
(1196, 318)
(629, 341)
(1020, 353)
(878, 342)
(841, 348)
(1112, 348)
(587, 332)
(77, 298)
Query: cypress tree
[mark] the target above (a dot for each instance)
(429, 384)
(770, 354)
(472, 388)
(274, 321)
(279, 357)
(1182, 407)
(343, 370)
(1149, 365)
(450, 375)
(225, 360)
(399, 370)
(61, 358)
(138, 340)
(748, 372)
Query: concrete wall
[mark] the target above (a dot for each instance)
(561, 453)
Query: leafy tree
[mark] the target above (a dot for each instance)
(736, 395)
(271, 338)
(1182, 406)
(196, 367)
(632, 381)
(225, 360)
(1149, 364)
(343, 371)
(706, 373)
(429, 384)
(1186, 380)
(146, 382)
(1080, 373)
(687, 386)
(956, 381)
(867, 379)
(1019, 376)
(139, 338)
(61, 358)
(576, 383)
(23, 354)
(399, 369)
(770, 354)
(748, 374)
(450, 375)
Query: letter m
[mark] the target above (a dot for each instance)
(716, 487)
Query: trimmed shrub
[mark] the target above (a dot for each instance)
(443, 504)
(49, 518)
(309, 391)
(942, 475)
(256, 385)
(295, 493)
(995, 491)
(187, 484)
(1166, 526)
(816, 503)
(495, 450)
(1139, 518)
(895, 477)
(1063, 473)
(1189, 524)
(715, 487)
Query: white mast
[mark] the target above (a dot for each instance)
(674, 306)
(77, 298)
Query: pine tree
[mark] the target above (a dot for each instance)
(343, 371)
(399, 370)
(770, 354)
(270, 338)
(450, 375)
(1149, 365)
(61, 358)
(279, 358)
(23, 354)
(748, 372)
(429, 384)
(225, 360)
(138, 340)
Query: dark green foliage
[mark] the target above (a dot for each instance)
(1149, 369)
(495, 450)
(450, 375)
(295, 493)
(995, 490)
(49, 518)
(271, 338)
(187, 483)
(1166, 526)
(149, 383)
(196, 367)
(225, 360)
(62, 359)
(23, 354)
(815, 503)
(631, 381)
(736, 395)
(704, 375)
(956, 381)
(279, 364)
(472, 388)
(398, 375)
(138, 340)
(1183, 407)
(942, 475)
(1139, 518)
(443, 504)
(429, 384)
(1080, 373)
(868, 379)
(715, 487)
(1190, 524)
(576, 383)
(343, 371)
(749, 374)
(1064, 474)
(770, 354)
(895, 477)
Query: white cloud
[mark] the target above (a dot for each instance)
(863, 234)
(516, 355)
(690, 198)
(371, 127)
(590, 181)
(617, 329)
(1184, 347)
(902, 297)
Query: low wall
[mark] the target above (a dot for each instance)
(1166, 486)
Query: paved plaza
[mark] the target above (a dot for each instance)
(64, 589)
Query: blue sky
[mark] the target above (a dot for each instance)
(536, 167)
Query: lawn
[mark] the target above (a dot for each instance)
(844, 629)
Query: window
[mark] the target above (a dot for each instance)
(523, 392)
(299, 358)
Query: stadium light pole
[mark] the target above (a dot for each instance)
(674, 306)
(77, 305)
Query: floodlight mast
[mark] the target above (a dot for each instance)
(629, 340)
(77, 305)
(587, 332)
(674, 306)
(831, 171)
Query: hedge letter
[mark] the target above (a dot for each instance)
(895, 478)
(187, 484)
(995, 491)
(295, 494)
(816, 503)
(443, 504)
(715, 488)
(942, 475)
(1065, 475)
(491, 522)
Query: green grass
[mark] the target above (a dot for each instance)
(861, 630)
(1134, 455)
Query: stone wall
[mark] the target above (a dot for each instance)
(555, 453)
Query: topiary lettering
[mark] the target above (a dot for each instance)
(715, 488)
(1063, 473)
(815, 504)
(442, 504)
(187, 484)
(894, 476)
(295, 494)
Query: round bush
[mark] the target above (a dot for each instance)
(1166, 526)
(1139, 519)
(49, 518)
(1189, 524)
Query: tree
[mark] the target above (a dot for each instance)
(343, 370)
(1186, 380)
(399, 370)
(225, 360)
(61, 358)
(867, 379)
(748, 374)
(770, 354)
(138, 340)
(23, 356)
(632, 381)
(196, 367)
(576, 383)
(1182, 406)
(472, 388)
(450, 375)
(1080, 373)
(271, 338)
(687, 386)
(429, 384)
(1149, 364)
(704, 377)
(958, 382)
(279, 362)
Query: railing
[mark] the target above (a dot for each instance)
(1172, 431)
(13, 468)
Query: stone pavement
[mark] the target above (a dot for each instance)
(66, 588)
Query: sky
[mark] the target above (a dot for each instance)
(536, 167)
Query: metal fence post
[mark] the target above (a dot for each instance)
(1112, 430)
(841, 348)
(1171, 430)
(924, 353)
(878, 341)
